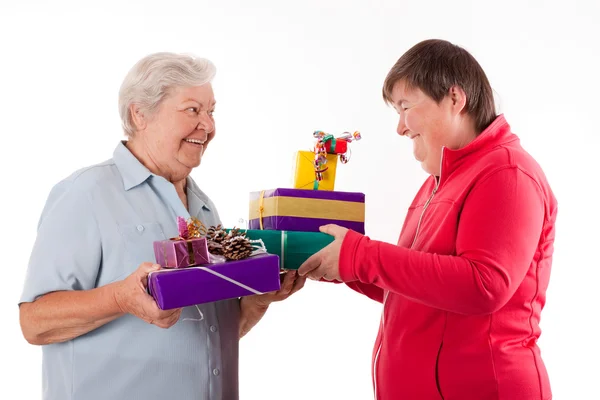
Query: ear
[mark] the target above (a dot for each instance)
(459, 99)
(138, 117)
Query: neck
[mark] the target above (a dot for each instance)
(145, 156)
(466, 133)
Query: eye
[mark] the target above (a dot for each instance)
(192, 109)
(211, 112)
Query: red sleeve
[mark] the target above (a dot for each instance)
(371, 291)
(498, 232)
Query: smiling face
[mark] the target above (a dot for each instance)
(431, 125)
(176, 135)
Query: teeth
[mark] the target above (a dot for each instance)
(195, 141)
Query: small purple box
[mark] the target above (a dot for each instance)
(208, 283)
(181, 253)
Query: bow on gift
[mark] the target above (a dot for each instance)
(193, 228)
(327, 143)
(221, 245)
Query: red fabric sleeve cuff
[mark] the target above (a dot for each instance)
(348, 252)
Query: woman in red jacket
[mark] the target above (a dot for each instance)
(463, 289)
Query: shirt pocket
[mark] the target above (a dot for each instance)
(138, 240)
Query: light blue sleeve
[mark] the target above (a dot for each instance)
(67, 253)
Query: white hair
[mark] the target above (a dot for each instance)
(153, 77)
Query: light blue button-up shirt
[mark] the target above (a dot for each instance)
(97, 227)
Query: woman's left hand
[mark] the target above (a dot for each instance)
(290, 285)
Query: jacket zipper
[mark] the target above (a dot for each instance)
(437, 377)
(433, 192)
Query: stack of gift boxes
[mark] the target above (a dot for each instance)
(285, 221)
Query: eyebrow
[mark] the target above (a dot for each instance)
(196, 101)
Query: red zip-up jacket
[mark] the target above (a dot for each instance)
(464, 288)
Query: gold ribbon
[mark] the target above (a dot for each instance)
(261, 208)
(190, 249)
(283, 206)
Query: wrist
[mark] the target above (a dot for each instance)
(115, 296)
(256, 302)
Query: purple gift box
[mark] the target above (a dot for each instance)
(174, 253)
(196, 285)
(306, 210)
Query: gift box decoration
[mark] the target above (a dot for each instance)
(186, 250)
(174, 288)
(305, 173)
(316, 170)
(293, 248)
(339, 145)
(306, 210)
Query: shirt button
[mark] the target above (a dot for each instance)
(140, 228)
(216, 372)
(213, 328)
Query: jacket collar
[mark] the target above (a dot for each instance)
(496, 134)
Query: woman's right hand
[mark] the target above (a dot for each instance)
(132, 298)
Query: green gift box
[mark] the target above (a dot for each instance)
(293, 248)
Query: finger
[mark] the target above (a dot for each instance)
(299, 284)
(145, 269)
(311, 264)
(338, 232)
(174, 317)
(288, 282)
(328, 229)
(318, 273)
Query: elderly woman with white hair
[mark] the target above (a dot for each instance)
(85, 296)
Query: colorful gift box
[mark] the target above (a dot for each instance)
(181, 253)
(304, 175)
(174, 288)
(306, 210)
(293, 248)
(336, 146)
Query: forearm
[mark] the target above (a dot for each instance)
(250, 314)
(61, 316)
(496, 242)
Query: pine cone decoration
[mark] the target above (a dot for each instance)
(237, 247)
(236, 232)
(215, 237)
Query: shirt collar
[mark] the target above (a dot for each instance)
(496, 134)
(192, 188)
(132, 170)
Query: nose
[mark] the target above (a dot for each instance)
(401, 129)
(206, 123)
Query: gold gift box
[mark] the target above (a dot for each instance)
(304, 176)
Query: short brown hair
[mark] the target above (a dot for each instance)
(434, 66)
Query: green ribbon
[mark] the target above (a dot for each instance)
(283, 247)
(326, 138)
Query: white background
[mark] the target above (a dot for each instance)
(286, 69)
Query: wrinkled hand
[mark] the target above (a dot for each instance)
(326, 263)
(290, 285)
(132, 298)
